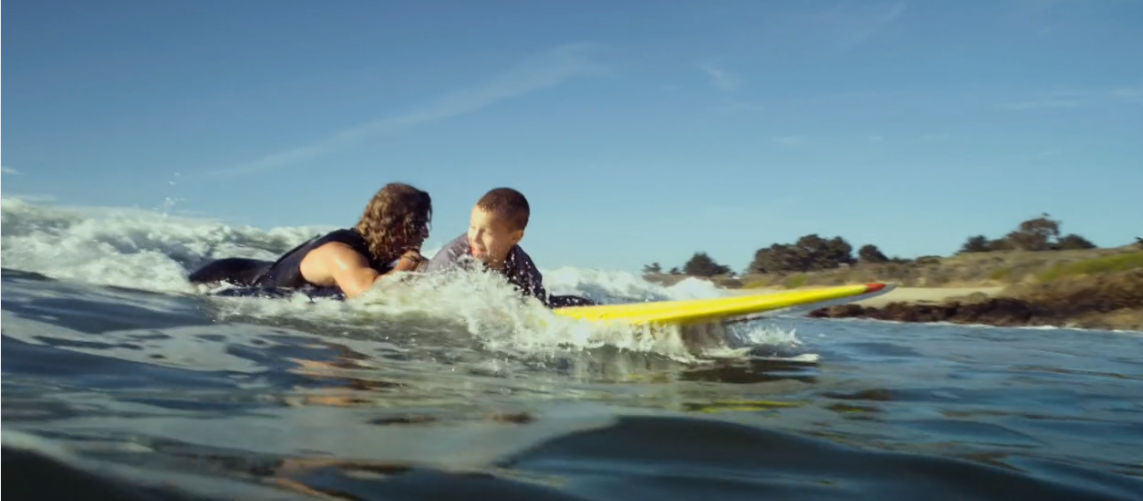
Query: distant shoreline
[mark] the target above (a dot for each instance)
(1091, 289)
(1110, 303)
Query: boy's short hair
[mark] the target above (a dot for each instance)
(508, 203)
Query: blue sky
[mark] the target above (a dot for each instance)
(640, 131)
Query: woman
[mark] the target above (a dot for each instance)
(387, 239)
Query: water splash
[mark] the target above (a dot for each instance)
(154, 251)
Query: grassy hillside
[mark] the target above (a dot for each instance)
(1101, 292)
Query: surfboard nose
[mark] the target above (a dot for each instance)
(873, 287)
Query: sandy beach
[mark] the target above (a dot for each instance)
(904, 294)
(926, 295)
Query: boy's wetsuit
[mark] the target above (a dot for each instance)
(518, 269)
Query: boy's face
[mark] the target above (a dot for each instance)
(491, 237)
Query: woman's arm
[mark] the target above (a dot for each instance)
(347, 268)
(409, 261)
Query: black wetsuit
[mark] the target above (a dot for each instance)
(284, 276)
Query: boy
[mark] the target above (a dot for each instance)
(495, 229)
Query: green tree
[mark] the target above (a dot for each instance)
(1073, 242)
(869, 253)
(1037, 234)
(702, 265)
(822, 254)
(776, 258)
(977, 243)
(810, 252)
(652, 269)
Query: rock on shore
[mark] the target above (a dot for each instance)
(1103, 302)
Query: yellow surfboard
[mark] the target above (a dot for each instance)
(696, 311)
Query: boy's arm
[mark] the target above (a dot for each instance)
(539, 292)
(448, 256)
(532, 281)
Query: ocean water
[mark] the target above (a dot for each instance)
(121, 381)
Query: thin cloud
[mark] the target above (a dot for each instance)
(789, 140)
(873, 19)
(1036, 7)
(1043, 16)
(1069, 94)
(1076, 98)
(739, 107)
(552, 68)
(719, 77)
(1134, 95)
(1041, 104)
(10, 171)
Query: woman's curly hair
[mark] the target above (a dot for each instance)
(396, 220)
